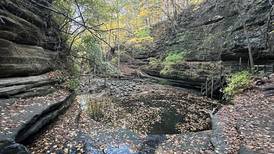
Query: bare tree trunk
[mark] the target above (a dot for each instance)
(250, 55)
(175, 15)
(118, 48)
(118, 33)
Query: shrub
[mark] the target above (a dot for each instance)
(74, 69)
(166, 70)
(72, 83)
(237, 82)
(171, 59)
(141, 35)
(98, 107)
(174, 58)
(94, 110)
(142, 32)
(114, 61)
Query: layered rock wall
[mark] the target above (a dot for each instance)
(213, 33)
(30, 42)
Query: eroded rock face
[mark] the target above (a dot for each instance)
(29, 40)
(30, 45)
(22, 60)
(214, 31)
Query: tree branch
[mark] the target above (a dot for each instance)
(88, 28)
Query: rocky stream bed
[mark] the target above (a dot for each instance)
(139, 116)
(135, 115)
(129, 116)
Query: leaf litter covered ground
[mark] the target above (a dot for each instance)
(244, 127)
(247, 126)
(255, 121)
(127, 119)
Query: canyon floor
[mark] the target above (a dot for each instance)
(140, 116)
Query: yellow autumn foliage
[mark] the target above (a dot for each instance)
(144, 12)
(136, 40)
(196, 2)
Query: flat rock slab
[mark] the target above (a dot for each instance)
(4, 82)
(225, 137)
(32, 86)
(29, 113)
